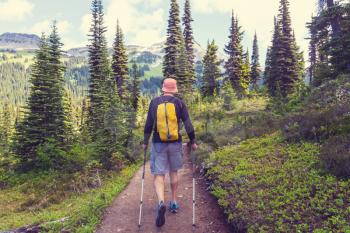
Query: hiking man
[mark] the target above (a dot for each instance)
(165, 115)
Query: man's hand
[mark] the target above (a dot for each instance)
(144, 146)
(194, 146)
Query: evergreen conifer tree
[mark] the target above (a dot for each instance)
(173, 41)
(273, 60)
(189, 43)
(290, 63)
(44, 119)
(312, 52)
(98, 69)
(135, 87)
(70, 119)
(286, 62)
(300, 62)
(55, 100)
(28, 132)
(330, 40)
(333, 19)
(183, 73)
(229, 97)
(83, 127)
(234, 64)
(246, 71)
(211, 71)
(267, 70)
(255, 66)
(175, 59)
(107, 113)
(120, 64)
(5, 128)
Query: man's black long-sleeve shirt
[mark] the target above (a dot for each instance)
(181, 114)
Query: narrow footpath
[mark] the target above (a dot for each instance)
(122, 215)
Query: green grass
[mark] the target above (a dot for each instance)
(266, 185)
(154, 72)
(84, 208)
(22, 57)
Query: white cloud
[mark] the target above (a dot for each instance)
(15, 10)
(148, 37)
(153, 3)
(64, 26)
(44, 26)
(141, 27)
(85, 24)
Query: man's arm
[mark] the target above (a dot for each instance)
(188, 124)
(149, 125)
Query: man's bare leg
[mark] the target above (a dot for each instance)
(174, 181)
(159, 187)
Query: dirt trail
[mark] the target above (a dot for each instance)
(122, 215)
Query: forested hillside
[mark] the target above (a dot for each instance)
(273, 138)
(15, 63)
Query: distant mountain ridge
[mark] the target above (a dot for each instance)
(19, 41)
(156, 49)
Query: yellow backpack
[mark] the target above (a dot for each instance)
(167, 124)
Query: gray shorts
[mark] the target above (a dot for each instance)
(166, 157)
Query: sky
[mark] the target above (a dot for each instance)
(144, 22)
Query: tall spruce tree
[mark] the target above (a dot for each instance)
(234, 64)
(300, 62)
(286, 60)
(175, 59)
(173, 41)
(29, 131)
(107, 113)
(312, 52)
(44, 119)
(273, 60)
(211, 71)
(113, 136)
(183, 72)
(70, 120)
(255, 65)
(189, 43)
(290, 65)
(56, 72)
(83, 126)
(246, 71)
(267, 70)
(330, 33)
(135, 87)
(5, 128)
(334, 19)
(120, 64)
(98, 69)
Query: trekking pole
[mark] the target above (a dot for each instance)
(194, 188)
(142, 185)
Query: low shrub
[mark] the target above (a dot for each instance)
(326, 113)
(266, 185)
(335, 156)
(50, 156)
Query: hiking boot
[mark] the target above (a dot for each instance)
(173, 207)
(160, 220)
